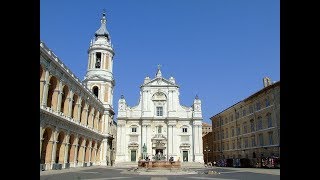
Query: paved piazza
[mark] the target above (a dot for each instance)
(106, 173)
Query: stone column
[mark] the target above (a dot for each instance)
(174, 141)
(75, 157)
(45, 90)
(84, 115)
(66, 150)
(54, 148)
(70, 104)
(59, 98)
(170, 140)
(104, 152)
(89, 159)
(149, 143)
(143, 135)
(78, 110)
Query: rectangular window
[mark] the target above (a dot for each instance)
(258, 106)
(214, 147)
(253, 141)
(239, 144)
(159, 111)
(269, 120)
(227, 133)
(222, 146)
(226, 120)
(233, 145)
(222, 134)
(237, 115)
(270, 138)
(221, 122)
(246, 142)
(250, 109)
(218, 134)
(231, 117)
(259, 125)
(227, 145)
(252, 125)
(214, 136)
(238, 130)
(245, 128)
(267, 102)
(244, 112)
(184, 129)
(232, 132)
(134, 129)
(260, 139)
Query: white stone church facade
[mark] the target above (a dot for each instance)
(160, 124)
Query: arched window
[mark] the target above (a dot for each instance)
(95, 90)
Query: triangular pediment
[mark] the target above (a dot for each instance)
(159, 81)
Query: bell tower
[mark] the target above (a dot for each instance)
(99, 76)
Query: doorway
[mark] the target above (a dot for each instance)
(185, 156)
(133, 155)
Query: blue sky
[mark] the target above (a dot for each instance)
(218, 49)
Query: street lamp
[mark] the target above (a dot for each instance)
(207, 150)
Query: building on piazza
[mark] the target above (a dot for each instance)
(76, 117)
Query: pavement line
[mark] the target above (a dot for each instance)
(210, 178)
(159, 178)
(108, 178)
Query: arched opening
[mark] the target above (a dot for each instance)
(74, 108)
(95, 91)
(46, 148)
(60, 148)
(51, 99)
(65, 100)
(71, 149)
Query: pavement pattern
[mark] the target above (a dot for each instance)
(110, 173)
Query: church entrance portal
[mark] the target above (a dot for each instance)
(133, 155)
(185, 156)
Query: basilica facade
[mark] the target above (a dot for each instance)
(159, 128)
(76, 117)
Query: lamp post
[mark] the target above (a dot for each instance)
(207, 150)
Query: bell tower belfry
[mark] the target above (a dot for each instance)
(99, 76)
